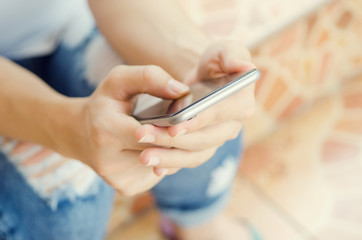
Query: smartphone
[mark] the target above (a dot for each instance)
(202, 95)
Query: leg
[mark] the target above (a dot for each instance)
(192, 196)
(194, 199)
(25, 215)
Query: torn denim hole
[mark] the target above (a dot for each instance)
(69, 193)
(67, 181)
(222, 177)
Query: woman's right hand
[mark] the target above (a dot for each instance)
(103, 132)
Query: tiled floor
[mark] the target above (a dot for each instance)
(301, 176)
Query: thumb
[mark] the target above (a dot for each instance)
(235, 57)
(124, 82)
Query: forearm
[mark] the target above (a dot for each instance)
(151, 32)
(29, 109)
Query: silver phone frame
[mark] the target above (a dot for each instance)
(212, 98)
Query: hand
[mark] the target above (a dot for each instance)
(197, 139)
(104, 134)
(220, 59)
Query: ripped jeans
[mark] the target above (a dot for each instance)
(44, 195)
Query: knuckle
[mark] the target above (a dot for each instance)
(116, 73)
(149, 72)
(171, 142)
(114, 76)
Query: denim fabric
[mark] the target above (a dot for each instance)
(188, 197)
(25, 216)
(194, 195)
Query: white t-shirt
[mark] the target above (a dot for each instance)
(31, 28)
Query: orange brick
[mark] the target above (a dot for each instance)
(339, 151)
(352, 126)
(324, 67)
(344, 20)
(278, 89)
(334, 6)
(323, 37)
(291, 108)
(357, 60)
(311, 22)
(353, 101)
(284, 41)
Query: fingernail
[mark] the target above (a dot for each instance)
(248, 65)
(161, 172)
(148, 138)
(181, 132)
(154, 161)
(177, 87)
(251, 65)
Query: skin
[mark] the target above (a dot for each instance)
(99, 131)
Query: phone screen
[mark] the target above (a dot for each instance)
(149, 107)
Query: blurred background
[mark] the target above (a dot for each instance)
(301, 175)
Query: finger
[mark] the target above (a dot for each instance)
(236, 107)
(208, 137)
(124, 82)
(174, 158)
(235, 58)
(224, 57)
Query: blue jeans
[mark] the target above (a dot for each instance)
(188, 197)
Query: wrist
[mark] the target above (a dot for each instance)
(65, 128)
